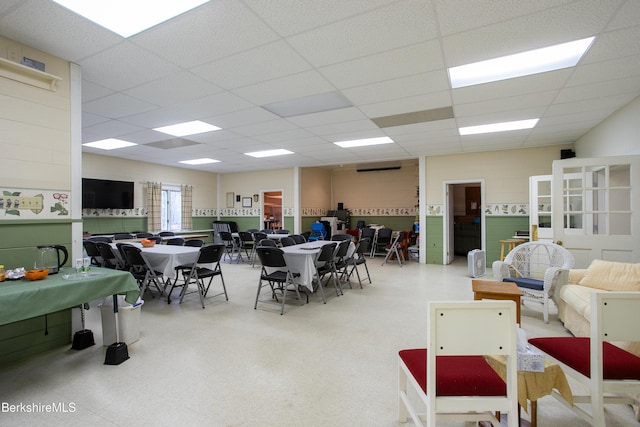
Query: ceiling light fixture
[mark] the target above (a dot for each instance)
(129, 17)
(203, 161)
(536, 61)
(364, 142)
(187, 128)
(498, 127)
(269, 153)
(109, 144)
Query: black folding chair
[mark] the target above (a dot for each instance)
(197, 273)
(276, 275)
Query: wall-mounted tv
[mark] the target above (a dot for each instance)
(106, 194)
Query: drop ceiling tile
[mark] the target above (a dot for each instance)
(399, 24)
(157, 117)
(609, 103)
(613, 45)
(242, 117)
(266, 62)
(503, 116)
(214, 30)
(110, 129)
(408, 104)
(414, 59)
(505, 104)
(91, 91)
(627, 16)
(173, 89)
(287, 135)
(116, 106)
(599, 89)
(212, 105)
(303, 15)
(284, 89)
(327, 117)
(435, 81)
(352, 127)
(125, 66)
(455, 16)
(262, 128)
(607, 70)
(89, 119)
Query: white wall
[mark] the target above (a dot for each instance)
(506, 173)
(617, 135)
(105, 167)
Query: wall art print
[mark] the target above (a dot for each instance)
(34, 204)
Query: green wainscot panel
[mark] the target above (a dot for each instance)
(500, 228)
(30, 337)
(393, 222)
(114, 224)
(432, 232)
(19, 240)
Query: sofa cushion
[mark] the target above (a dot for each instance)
(525, 282)
(612, 276)
(579, 298)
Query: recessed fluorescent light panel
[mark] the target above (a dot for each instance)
(309, 104)
(269, 153)
(498, 127)
(187, 128)
(364, 142)
(202, 161)
(129, 17)
(109, 144)
(536, 61)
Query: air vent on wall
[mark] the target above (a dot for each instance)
(372, 167)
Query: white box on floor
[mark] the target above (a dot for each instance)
(128, 321)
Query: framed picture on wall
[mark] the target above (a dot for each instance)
(230, 200)
(246, 202)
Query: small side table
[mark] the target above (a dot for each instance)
(489, 289)
(534, 385)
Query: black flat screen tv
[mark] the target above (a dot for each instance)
(106, 194)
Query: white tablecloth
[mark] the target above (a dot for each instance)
(301, 259)
(165, 258)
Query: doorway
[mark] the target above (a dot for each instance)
(272, 210)
(463, 224)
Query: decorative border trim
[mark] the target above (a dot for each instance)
(413, 211)
(506, 209)
(55, 204)
(490, 209)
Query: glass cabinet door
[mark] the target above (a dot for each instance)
(540, 218)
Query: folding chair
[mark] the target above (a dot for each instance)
(324, 265)
(359, 258)
(611, 374)
(196, 273)
(276, 275)
(451, 378)
(394, 249)
(139, 267)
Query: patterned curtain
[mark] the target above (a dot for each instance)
(154, 203)
(187, 206)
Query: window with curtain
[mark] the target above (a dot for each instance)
(171, 208)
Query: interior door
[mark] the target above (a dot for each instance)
(540, 202)
(594, 213)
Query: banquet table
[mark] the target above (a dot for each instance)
(301, 259)
(165, 258)
(22, 299)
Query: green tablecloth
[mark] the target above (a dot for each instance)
(22, 299)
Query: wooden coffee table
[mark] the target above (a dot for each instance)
(489, 289)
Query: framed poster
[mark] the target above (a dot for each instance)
(230, 201)
(246, 202)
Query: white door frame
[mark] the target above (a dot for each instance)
(262, 209)
(447, 217)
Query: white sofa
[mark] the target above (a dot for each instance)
(573, 298)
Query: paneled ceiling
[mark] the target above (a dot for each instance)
(225, 60)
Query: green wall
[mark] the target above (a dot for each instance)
(500, 228)
(497, 228)
(17, 249)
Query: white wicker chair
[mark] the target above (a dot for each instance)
(537, 268)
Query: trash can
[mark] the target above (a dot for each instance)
(128, 321)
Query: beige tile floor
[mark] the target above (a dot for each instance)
(230, 365)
